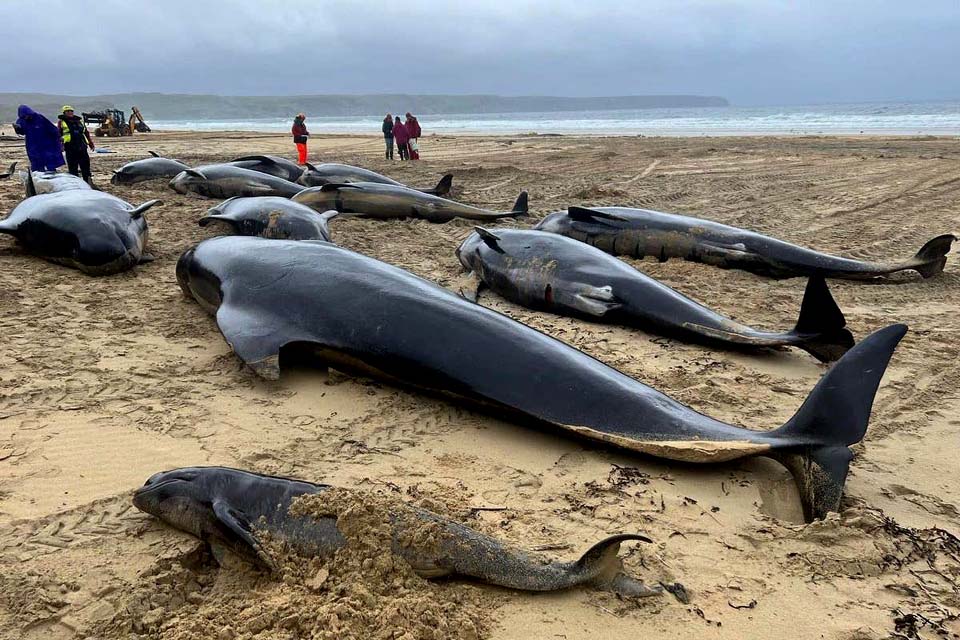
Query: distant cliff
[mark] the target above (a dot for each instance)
(164, 106)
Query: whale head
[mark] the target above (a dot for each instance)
(181, 498)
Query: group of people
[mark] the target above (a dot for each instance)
(406, 135)
(47, 142)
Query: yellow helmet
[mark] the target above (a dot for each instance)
(67, 107)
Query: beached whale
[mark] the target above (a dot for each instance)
(154, 168)
(228, 181)
(334, 173)
(88, 230)
(547, 271)
(362, 315)
(234, 510)
(271, 217)
(386, 201)
(642, 232)
(272, 165)
(40, 182)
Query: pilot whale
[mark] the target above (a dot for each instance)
(642, 232)
(234, 510)
(547, 271)
(360, 315)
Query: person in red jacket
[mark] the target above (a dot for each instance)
(300, 133)
(401, 136)
(413, 130)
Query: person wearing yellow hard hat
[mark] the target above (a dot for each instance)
(76, 138)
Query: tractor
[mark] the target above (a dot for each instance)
(112, 123)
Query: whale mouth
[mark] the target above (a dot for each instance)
(148, 488)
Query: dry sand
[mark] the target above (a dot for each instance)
(105, 381)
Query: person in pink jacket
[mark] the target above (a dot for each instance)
(401, 136)
(413, 130)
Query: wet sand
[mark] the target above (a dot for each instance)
(106, 381)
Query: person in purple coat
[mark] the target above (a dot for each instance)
(44, 147)
(401, 137)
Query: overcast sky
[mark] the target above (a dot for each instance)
(749, 51)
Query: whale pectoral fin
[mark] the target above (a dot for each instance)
(468, 286)
(595, 301)
(254, 338)
(239, 525)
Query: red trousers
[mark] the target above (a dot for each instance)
(302, 152)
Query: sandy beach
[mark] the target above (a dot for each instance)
(104, 381)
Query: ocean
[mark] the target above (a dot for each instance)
(906, 118)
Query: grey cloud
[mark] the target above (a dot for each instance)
(752, 52)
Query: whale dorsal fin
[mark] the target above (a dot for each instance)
(263, 159)
(30, 186)
(195, 173)
(336, 186)
(592, 215)
(154, 154)
(137, 212)
(311, 167)
(490, 239)
(13, 167)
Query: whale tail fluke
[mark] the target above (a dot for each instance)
(443, 187)
(833, 417)
(521, 206)
(821, 318)
(932, 257)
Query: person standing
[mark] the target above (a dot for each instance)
(388, 135)
(300, 134)
(402, 137)
(76, 138)
(42, 139)
(413, 130)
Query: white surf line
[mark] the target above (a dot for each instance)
(642, 174)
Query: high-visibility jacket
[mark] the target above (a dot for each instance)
(67, 132)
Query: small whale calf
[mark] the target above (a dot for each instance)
(227, 181)
(387, 201)
(271, 217)
(551, 272)
(642, 232)
(154, 168)
(234, 510)
(342, 308)
(333, 173)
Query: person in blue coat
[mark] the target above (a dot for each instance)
(44, 147)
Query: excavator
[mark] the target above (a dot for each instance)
(113, 124)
